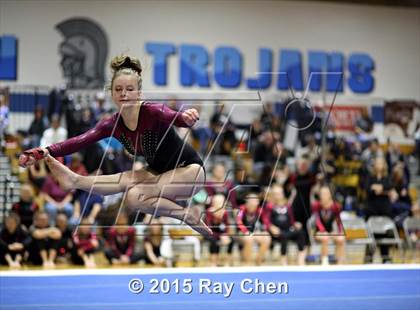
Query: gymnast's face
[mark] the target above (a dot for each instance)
(125, 90)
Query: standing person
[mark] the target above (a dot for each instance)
(303, 181)
(144, 128)
(378, 202)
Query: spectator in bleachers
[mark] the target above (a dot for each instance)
(378, 202)
(87, 205)
(399, 195)
(266, 147)
(364, 126)
(218, 183)
(282, 178)
(242, 183)
(43, 247)
(4, 115)
(87, 121)
(54, 134)
(14, 240)
(327, 213)
(256, 130)
(414, 234)
(218, 220)
(86, 244)
(394, 157)
(56, 199)
(99, 106)
(76, 164)
(65, 243)
(37, 174)
(371, 152)
(251, 230)
(310, 150)
(38, 126)
(279, 221)
(153, 241)
(120, 243)
(26, 206)
(201, 131)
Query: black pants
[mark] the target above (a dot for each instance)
(215, 247)
(134, 258)
(384, 249)
(13, 254)
(37, 245)
(298, 236)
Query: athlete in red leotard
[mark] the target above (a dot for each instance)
(175, 171)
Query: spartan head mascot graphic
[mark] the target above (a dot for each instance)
(83, 53)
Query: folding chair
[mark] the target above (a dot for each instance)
(382, 225)
(357, 233)
(411, 224)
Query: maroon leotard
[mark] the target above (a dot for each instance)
(154, 138)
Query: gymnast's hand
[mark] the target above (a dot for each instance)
(29, 157)
(190, 116)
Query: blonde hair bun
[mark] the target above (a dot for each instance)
(126, 62)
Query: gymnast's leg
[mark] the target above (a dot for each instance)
(101, 184)
(150, 193)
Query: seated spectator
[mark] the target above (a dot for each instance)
(242, 183)
(14, 240)
(26, 207)
(219, 184)
(414, 234)
(43, 247)
(153, 241)
(378, 187)
(99, 106)
(364, 126)
(120, 243)
(56, 198)
(268, 147)
(218, 220)
(37, 174)
(86, 244)
(87, 205)
(76, 164)
(279, 221)
(201, 131)
(55, 133)
(38, 126)
(65, 243)
(399, 196)
(371, 152)
(250, 230)
(327, 212)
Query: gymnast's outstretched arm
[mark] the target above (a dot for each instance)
(102, 130)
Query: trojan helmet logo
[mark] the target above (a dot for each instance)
(83, 53)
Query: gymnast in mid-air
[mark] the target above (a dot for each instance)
(174, 172)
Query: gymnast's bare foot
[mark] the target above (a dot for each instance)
(64, 175)
(193, 219)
